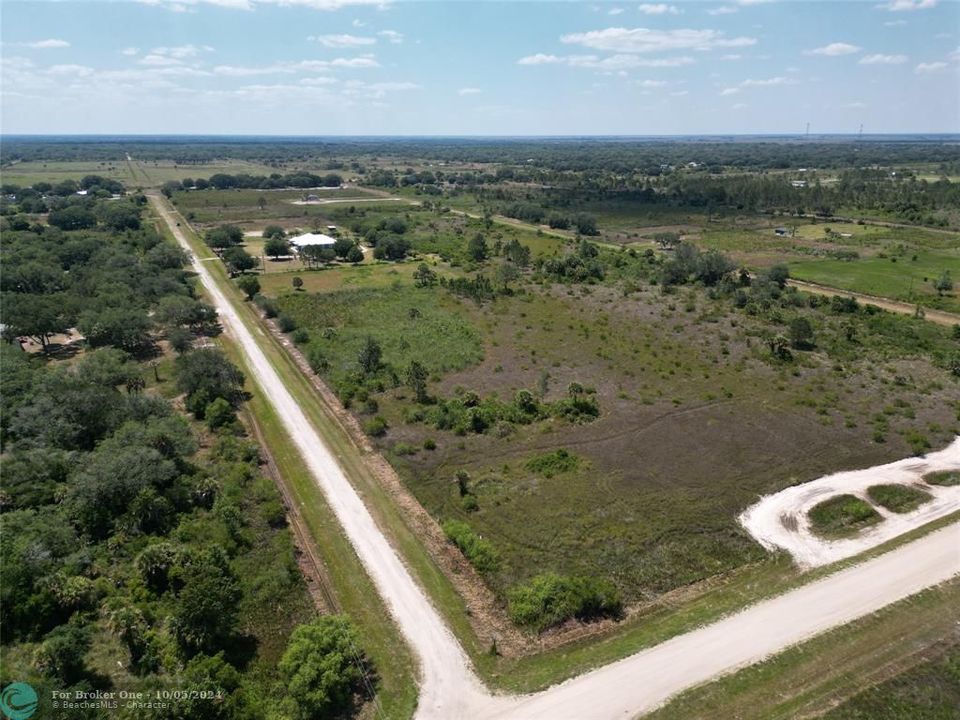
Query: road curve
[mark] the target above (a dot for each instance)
(450, 690)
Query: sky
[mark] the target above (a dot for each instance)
(370, 67)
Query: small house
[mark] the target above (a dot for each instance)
(781, 231)
(302, 241)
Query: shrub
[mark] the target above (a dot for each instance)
(429, 444)
(403, 448)
(550, 599)
(300, 336)
(481, 554)
(553, 463)
(375, 427)
(317, 359)
(218, 413)
(286, 323)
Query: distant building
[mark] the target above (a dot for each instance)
(798, 183)
(312, 198)
(781, 231)
(331, 228)
(306, 239)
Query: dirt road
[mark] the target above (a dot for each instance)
(449, 689)
(941, 317)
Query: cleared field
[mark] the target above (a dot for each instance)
(253, 209)
(145, 173)
(674, 385)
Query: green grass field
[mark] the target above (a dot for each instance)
(900, 278)
(138, 173)
(842, 516)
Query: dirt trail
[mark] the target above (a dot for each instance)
(449, 689)
(941, 317)
(780, 520)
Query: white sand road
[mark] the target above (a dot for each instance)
(450, 690)
(780, 520)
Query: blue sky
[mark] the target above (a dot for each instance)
(359, 67)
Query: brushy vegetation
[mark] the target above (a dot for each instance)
(481, 554)
(551, 599)
(553, 463)
(898, 498)
(842, 515)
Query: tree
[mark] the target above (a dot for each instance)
(507, 273)
(207, 373)
(249, 284)
(423, 276)
(801, 333)
(35, 316)
(316, 254)
(119, 215)
(126, 328)
(274, 231)
(207, 601)
(324, 667)
(224, 236)
(218, 413)
(417, 380)
(297, 282)
(370, 356)
(238, 260)
(944, 283)
(275, 247)
(779, 274)
(712, 267)
(354, 255)
(62, 653)
(477, 248)
(74, 217)
(342, 246)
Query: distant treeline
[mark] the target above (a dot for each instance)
(576, 154)
(274, 181)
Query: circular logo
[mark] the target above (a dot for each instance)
(18, 701)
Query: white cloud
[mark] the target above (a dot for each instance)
(130, 51)
(834, 49)
(48, 44)
(469, 91)
(895, 23)
(765, 83)
(357, 23)
(722, 10)
(732, 56)
(303, 66)
(652, 83)
(342, 40)
(855, 105)
(610, 63)
(614, 11)
(738, 106)
(730, 91)
(680, 93)
(391, 36)
(643, 40)
(879, 59)
(930, 67)
(907, 5)
(540, 59)
(658, 9)
(376, 90)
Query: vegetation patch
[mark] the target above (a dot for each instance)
(551, 599)
(898, 498)
(841, 516)
(944, 478)
(481, 554)
(553, 463)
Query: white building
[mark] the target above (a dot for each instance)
(311, 239)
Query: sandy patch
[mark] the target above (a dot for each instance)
(780, 520)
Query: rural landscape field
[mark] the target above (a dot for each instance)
(510, 421)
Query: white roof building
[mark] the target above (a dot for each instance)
(311, 239)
